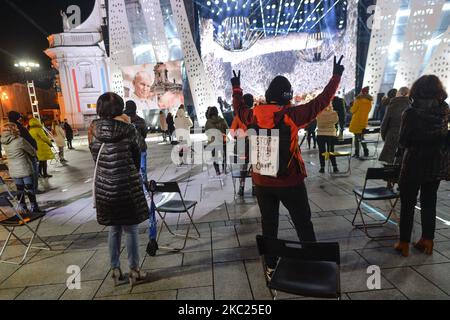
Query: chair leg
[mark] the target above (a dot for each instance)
(365, 226)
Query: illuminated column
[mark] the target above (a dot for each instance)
(440, 61)
(155, 26)
(382, 31)
(423, 21)
(202, 92)
(121, 50)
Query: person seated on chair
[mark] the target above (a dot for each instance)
(239, 133)
(20, 154)
(218, 123)
(326, 136)
(44, 146)
(360, 119)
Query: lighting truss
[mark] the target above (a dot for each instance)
(236, 34)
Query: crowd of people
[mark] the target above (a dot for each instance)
(27, 148)
(414, 127)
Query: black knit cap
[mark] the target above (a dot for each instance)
(277, 88)
(14, 116)
(130, 108)
(248, 100)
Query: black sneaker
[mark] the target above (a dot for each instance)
(253, 192)
(322, 170)
(335, 170)
(241, 192)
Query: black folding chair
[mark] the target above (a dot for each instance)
(390, 175)
(309, 269)
(12, 219)
(348, 142)
(374, 142)
(174, 206)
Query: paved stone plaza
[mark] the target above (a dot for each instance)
(224, 262)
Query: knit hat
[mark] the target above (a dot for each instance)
(365, 90)
(14, 116)
(277, 88)
(130, 108)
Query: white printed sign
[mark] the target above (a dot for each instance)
(264, 154)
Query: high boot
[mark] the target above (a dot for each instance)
(32, 198)
(402, 247)
(424, 245)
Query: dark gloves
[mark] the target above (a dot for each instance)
(236, 80)
(338, 68)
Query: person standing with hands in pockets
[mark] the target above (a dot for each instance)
(287, 184)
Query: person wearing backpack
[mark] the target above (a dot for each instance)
(287, 186)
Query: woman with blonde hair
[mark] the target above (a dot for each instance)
(20, 165)
(59, 136)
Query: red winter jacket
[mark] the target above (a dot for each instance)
(296, 117)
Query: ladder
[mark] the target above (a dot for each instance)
(33, 100)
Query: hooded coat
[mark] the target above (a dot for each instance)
(326, 122)
(44, 151)
(390, 127)
(360, 110)
(119, 195)
(218, 123)
(183, 126)
(19, 153)
(423, 139)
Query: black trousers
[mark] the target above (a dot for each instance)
(295, 199)
(311, 135)
(43, 167)
(428, 199)
(69, 143)
(326, 144)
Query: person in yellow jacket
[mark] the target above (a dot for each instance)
(326, 136)
(360, 119)
(44, 144)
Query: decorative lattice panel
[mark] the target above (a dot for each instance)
(202, 91)
(440, 61)
(423, 21)
(120, 43)
(155, 26)
(382, 31)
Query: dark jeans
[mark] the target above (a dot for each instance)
(428, 198)
(43, 168)
(358, 138)
(295, 199)
(311, 135)
(69, 143)
(224, 160)
(326, 144)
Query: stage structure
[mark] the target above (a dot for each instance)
(79, 56)
(411, 38)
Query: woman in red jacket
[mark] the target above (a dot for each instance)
(288, 189)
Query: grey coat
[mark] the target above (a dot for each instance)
(19, 153)
(390, 127)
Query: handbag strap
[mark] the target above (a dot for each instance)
(95, 171)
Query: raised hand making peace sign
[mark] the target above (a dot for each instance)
(338, 68)
(236, 80)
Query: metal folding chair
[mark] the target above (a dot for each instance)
(12, 219)
(174, 206)
(374, 142)
(308, 269)
(388, 174)
(348, 142)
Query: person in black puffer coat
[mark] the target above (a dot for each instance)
(119, 196)
(423, 139)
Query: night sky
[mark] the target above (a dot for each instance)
(26, 37)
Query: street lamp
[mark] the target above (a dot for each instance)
(27, 67)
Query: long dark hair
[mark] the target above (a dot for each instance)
(428, 87)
